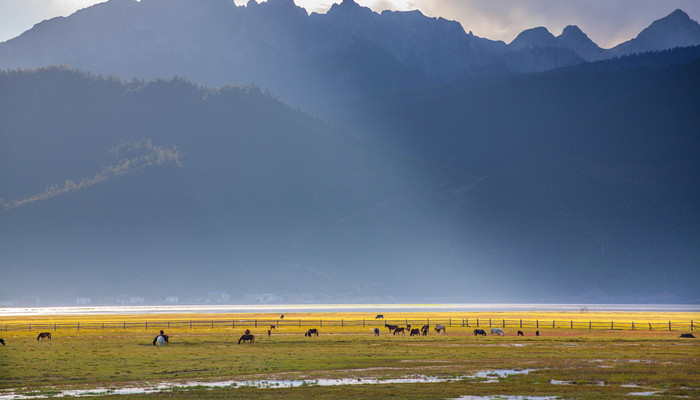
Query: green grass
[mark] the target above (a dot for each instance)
(92, 359)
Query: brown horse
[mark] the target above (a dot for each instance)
(2, 342)
(391, 327)
(44, 335)
(400, 329)
(415, 332)
(312, 331)
(247, 338)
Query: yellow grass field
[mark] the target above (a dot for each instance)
(206, 362)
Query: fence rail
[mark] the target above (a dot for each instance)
(308, 322)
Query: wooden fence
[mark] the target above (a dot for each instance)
(316, 323)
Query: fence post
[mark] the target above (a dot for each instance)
(669, 325)
(572, 324)
(256, 323)
(146, 325)
(467, 321)
(612, 324)
(103, 326)
(30, 327)
(521, 322)
(463, 323)
(590, 325)
(124, 325)
(489, 322)
(341, 323)
(477, 322)
(363, 322)
(649, 325)
(504, 322)
(320, 322)
(300, 323)
(552, 324)
(168, 324)
(537, 321)
(190, 324)
(632, 325)
(54, 328)
(233, 323)
(78, 325)
(212, 324)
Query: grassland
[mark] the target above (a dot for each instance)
(591, 364)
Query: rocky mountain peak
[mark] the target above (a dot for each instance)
(534, 37)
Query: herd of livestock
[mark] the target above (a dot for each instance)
(162, 338)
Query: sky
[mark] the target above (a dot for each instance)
(607, 22)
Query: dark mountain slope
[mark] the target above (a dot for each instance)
(592, 170)
(176, 189)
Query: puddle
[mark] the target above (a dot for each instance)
(558, 382)
(630, 385)
(491, 376)
(494, 375)
(643, 393)
(640, 361)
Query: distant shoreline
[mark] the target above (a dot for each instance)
(276, 308)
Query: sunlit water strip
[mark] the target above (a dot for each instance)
(290, 308)
(489, 376)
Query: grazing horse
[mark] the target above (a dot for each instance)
(246, 338)
(312, 331)
(520, 333)
(2, 342)
(44, 335)
(683, 335)
(497, 331)
(415, 331)
(439, 328)
(480, 332)
(379, 316)
(160, 339)
(537, 333)
(391, 327)
(376, 331)
(400, 329)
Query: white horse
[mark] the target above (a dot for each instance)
(497, 331)
(439, 328)
(160, 340)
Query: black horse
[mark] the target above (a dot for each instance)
(379, 316)
(391, 327)
(312, 331)
(165, 339)
(376, 331)
(520, 333)
(44, 335)
(479, 332)
(415, 331)
(247, 338)
(2, 342)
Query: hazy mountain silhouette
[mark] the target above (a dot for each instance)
(306, 59)
(165, 189)
(674, 30)
(585, 169)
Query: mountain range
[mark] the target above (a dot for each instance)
(431, 166)
(308, 60)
